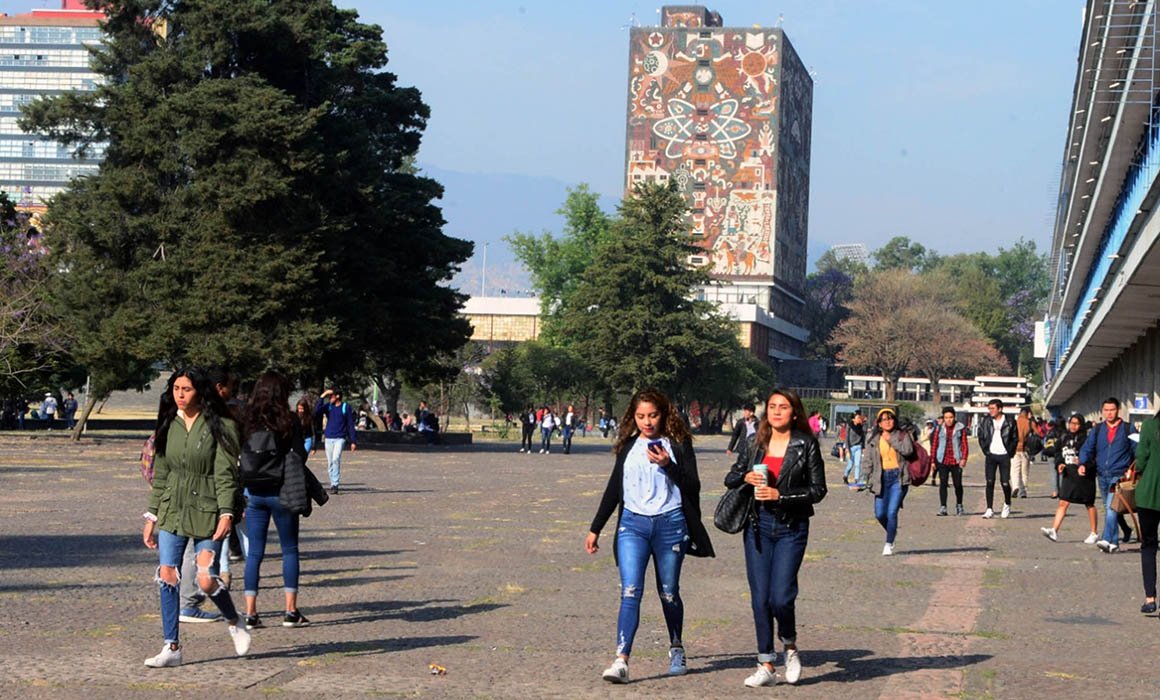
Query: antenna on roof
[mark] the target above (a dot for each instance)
(632, 22)
(780, 19)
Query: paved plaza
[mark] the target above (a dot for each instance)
(472, 559)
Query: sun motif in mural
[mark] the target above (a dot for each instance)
(716, 127)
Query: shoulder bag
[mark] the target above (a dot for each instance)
(734, 509)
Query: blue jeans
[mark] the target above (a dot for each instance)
(888, 501)
(567, 431)
(665, 537)
(1111, 517)
(546, 438)
(259, 512)
(772, 559)
(170, 548)
(334, 458)
(854, 464)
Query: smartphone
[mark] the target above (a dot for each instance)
(653, 444)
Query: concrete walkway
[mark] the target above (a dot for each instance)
(472, 559)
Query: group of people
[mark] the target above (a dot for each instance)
(217, 461)
(549, 424)
(655, 488)
(14, 409)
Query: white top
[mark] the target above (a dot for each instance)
(648, 490)
(549, 421)
(996, 447)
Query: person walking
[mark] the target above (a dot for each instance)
(1109, 450)
(948, 449)
(69, 408)
(568, 427)
(783, 463)
(743, 429)
(998, 440)
(1077, 482)
(527, 429)
(194, 491)
(656, 490)
(272, 431)
(338, 433)
(888, 447)
(1148, 505)
(855, 442)
(1021, 460)
(48, 410)
(547, 427)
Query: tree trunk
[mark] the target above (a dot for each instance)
(79, 429)
(889, 388)
(388, 383)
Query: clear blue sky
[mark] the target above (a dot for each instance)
(941, 121)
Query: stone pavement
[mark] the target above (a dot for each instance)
(472, 558)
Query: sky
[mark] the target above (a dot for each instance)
(940, 121)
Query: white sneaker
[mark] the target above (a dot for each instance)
(988, 513)
(678, 665)
(887, 549)
(1050, 533)
(521, 449)
(617, 672)
(168, 657)
(1091, 539)
(1006, 513)
(241, 639)
(793, 666)
(541, 450)
(761, 678)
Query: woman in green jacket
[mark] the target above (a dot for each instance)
(1148, 505)
(195, 487)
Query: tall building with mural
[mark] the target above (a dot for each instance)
(43, 52)
(726, 113)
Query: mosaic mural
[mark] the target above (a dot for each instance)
(704, 110)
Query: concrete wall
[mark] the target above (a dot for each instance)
(1137, 370)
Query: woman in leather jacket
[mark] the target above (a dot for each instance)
(783, 463)
(888, 448)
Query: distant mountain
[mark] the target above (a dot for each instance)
(485, 207)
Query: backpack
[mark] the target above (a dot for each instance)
(148, 452)
(919, 466)
(1049, 445)
(261, 464)
(1032, 444)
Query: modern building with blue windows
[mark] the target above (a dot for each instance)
(43, 53)
(1100, 334)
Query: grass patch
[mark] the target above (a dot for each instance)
(993, 578)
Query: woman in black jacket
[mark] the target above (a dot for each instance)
(783, 463)
(655, 487)
(272, 431)
(1077, 484)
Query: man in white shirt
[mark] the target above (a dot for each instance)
(997, 438)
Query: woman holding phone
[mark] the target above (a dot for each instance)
(655, 487)
(783, 463)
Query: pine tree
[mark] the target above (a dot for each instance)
(254, 207)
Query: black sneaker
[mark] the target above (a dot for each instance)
(334, 489)
(294, 618)
(253, 622)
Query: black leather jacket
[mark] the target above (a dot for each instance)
(1007, 434)
(801, 483)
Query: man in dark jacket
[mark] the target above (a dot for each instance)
(997, 439)
(1110, 450)
(743, 428)
(339, 431)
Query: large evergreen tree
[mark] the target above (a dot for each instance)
(254, 206)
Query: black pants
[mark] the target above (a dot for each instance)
(953, 471)
(1002, 463)
(526, 441)
(1149, 524)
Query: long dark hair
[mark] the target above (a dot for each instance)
(213, 409)
(269, 407)
(799, 423)
(672, 425)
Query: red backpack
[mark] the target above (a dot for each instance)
(919, 465)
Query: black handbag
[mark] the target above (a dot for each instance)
(734, 509)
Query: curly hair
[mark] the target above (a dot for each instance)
(672, 425)
(213, 409)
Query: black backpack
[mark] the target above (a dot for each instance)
(1032, 443)
(262, 462)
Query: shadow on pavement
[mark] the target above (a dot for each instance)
(861, 664)
(363, 648)
(355, 581)
(410, 611)
(944, 550)
(33, 551)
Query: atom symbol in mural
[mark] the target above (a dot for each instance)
(720, 127)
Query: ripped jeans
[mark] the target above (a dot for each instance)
(170, 549)
(664, 537)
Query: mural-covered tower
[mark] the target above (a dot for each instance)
(726, 112)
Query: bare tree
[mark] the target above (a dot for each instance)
(953, 346)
